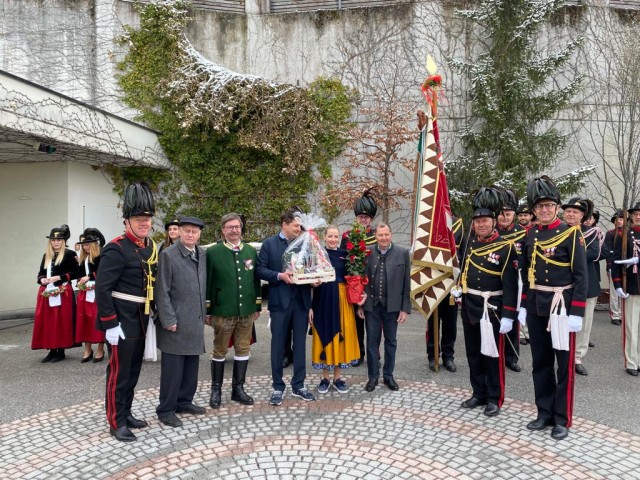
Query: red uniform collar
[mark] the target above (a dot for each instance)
(552, 225)
(635, 229)
(507, 229)
(138, 242)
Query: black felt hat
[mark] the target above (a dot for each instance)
(138, 201)
(91, 235)
(62, 233)
(523, 208)
(542, 188)
(618, 214)
(174, 221)
(488, 202)
(635, 208)
(365, 205)
(596, 216)
(583, 204)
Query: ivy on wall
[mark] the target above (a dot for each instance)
(236, 142)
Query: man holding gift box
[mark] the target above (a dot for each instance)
(287, 303)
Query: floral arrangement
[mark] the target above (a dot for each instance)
(356, 262)
(357, 252)
(54, 292)
(86, 287)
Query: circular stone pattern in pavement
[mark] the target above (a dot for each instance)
(419, 431)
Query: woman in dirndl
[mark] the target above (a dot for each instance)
(53, 323)
(335, 338)
(91, 242)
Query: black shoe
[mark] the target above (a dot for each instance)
(491, 410)
(391, 384)
(49, 356)
(450, 365)
(239, 395)
(580, 370)
(539, 424)
(371, 385)
(358, 362)
(286, 362)
(473, 402)
(559, 432)
(513, 366)
(524, 341)
(86, 359)
(133, 422)
(632, 372)
(591, 344)
(97, 359)
(616, 321)
(59, 356)
(171, 421)
(191, 408)
(122, 434)
(432, 365)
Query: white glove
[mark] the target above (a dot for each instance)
(621, 293)
(506, 324)
(522, 316)
(628, 261)
(113, 335)
(575, 323)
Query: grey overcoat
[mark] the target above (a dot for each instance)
(180, 296)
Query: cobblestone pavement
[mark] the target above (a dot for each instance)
(418, 432)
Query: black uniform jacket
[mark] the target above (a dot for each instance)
(67, 268)
(93, 269)
(554, 266)
(592, 241)
(516, 234)
(123, 269)
(607, 248)
(633, 281)
(489, 264)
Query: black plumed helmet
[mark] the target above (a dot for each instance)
(365, 205)
(138, 201)
(542, 188)
(510, 200)
(488, 202)
(583, 204)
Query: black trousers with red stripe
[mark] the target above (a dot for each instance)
(486, 374)
(553, 388)
(123, 370)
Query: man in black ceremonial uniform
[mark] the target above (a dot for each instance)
(489, 283)
(554, 294)
(512, 231)
(124, 290)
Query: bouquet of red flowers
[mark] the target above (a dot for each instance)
(356, 261)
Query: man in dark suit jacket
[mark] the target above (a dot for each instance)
(287, 303)
(180, 295)
(387, 304)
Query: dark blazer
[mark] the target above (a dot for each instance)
(268, 267)
(398, 270)
(180, 296)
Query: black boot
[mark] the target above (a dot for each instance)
(217, 375)
(50, 355)
(237, 392)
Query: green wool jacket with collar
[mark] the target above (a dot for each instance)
(233, 288)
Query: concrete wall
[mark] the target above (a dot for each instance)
(35, 198)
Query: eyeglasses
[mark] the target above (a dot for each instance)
(547, 206)
(233, 227)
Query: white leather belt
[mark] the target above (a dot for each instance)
(128, 298)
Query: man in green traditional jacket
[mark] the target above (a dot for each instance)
(234, 303)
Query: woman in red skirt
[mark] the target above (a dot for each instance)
(53, 323)
(91, 242)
